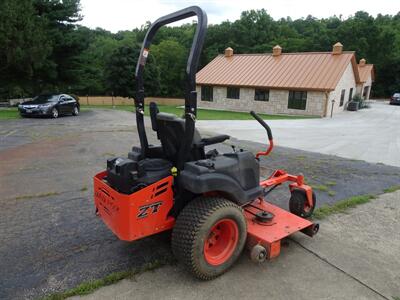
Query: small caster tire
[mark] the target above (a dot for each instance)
(258, 254)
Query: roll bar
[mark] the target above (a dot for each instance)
(190, 86)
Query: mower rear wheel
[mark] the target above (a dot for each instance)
(298, 203)
(209, 236)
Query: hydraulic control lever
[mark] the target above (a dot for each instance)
(269, 133)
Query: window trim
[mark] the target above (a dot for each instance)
(293, 98)
(228, 96)
(210, 95)
(265, 93)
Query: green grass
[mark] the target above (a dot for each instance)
(9, 113)
(341, 206)
(320, 187)
(118, 107)
(202, 114)
(331, 193)
(90, 286)
(391, 190)
(330, 183)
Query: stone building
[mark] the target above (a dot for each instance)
(308, 83)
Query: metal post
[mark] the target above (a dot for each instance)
(112, 99)
(333, 104)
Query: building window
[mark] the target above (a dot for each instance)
(261, 95)
(342, 97)
(233, 92)
(297, 100)
(351, 94)
(206, 93)
(365, 92)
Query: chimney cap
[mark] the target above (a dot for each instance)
(277, 50)
(228, 52)
(337, 48)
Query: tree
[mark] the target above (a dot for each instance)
(42, 48)
(67, 41)
(170, 57)
(24, 47)
(120, 73)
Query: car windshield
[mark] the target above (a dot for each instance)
(396, 95)
(45, 98)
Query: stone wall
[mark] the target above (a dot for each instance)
(277, 104)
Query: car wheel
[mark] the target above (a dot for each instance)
(54, 113)
(75, 111)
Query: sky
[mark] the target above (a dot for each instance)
(118, 15)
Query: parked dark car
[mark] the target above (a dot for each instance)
(52, 105)
(395, 99)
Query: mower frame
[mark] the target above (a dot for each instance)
(158, 206)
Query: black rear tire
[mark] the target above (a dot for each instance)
(193, 229)
(298, 204)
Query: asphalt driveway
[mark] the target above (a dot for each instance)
(352, 257)
(50, 239)
(370, 134)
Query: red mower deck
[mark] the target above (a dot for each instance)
(269, 233)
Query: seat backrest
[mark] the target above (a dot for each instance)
(170, 131)
(153, 115)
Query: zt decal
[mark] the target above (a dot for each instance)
(145, 210)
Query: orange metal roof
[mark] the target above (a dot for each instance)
(308, 70)
(365, 71)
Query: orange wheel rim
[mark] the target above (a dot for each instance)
(221, 242)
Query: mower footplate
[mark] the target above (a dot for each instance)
(268, 224)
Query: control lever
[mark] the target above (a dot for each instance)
(269, 133)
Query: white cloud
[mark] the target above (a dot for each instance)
(127, 14)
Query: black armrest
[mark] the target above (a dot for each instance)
(214, 139)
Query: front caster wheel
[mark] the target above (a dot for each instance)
(258, 254)
(209, 236)
(298, 203)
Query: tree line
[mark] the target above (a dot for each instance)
(44, 50)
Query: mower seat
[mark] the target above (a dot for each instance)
(170, 130)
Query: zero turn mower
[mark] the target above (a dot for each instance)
(214, 203)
